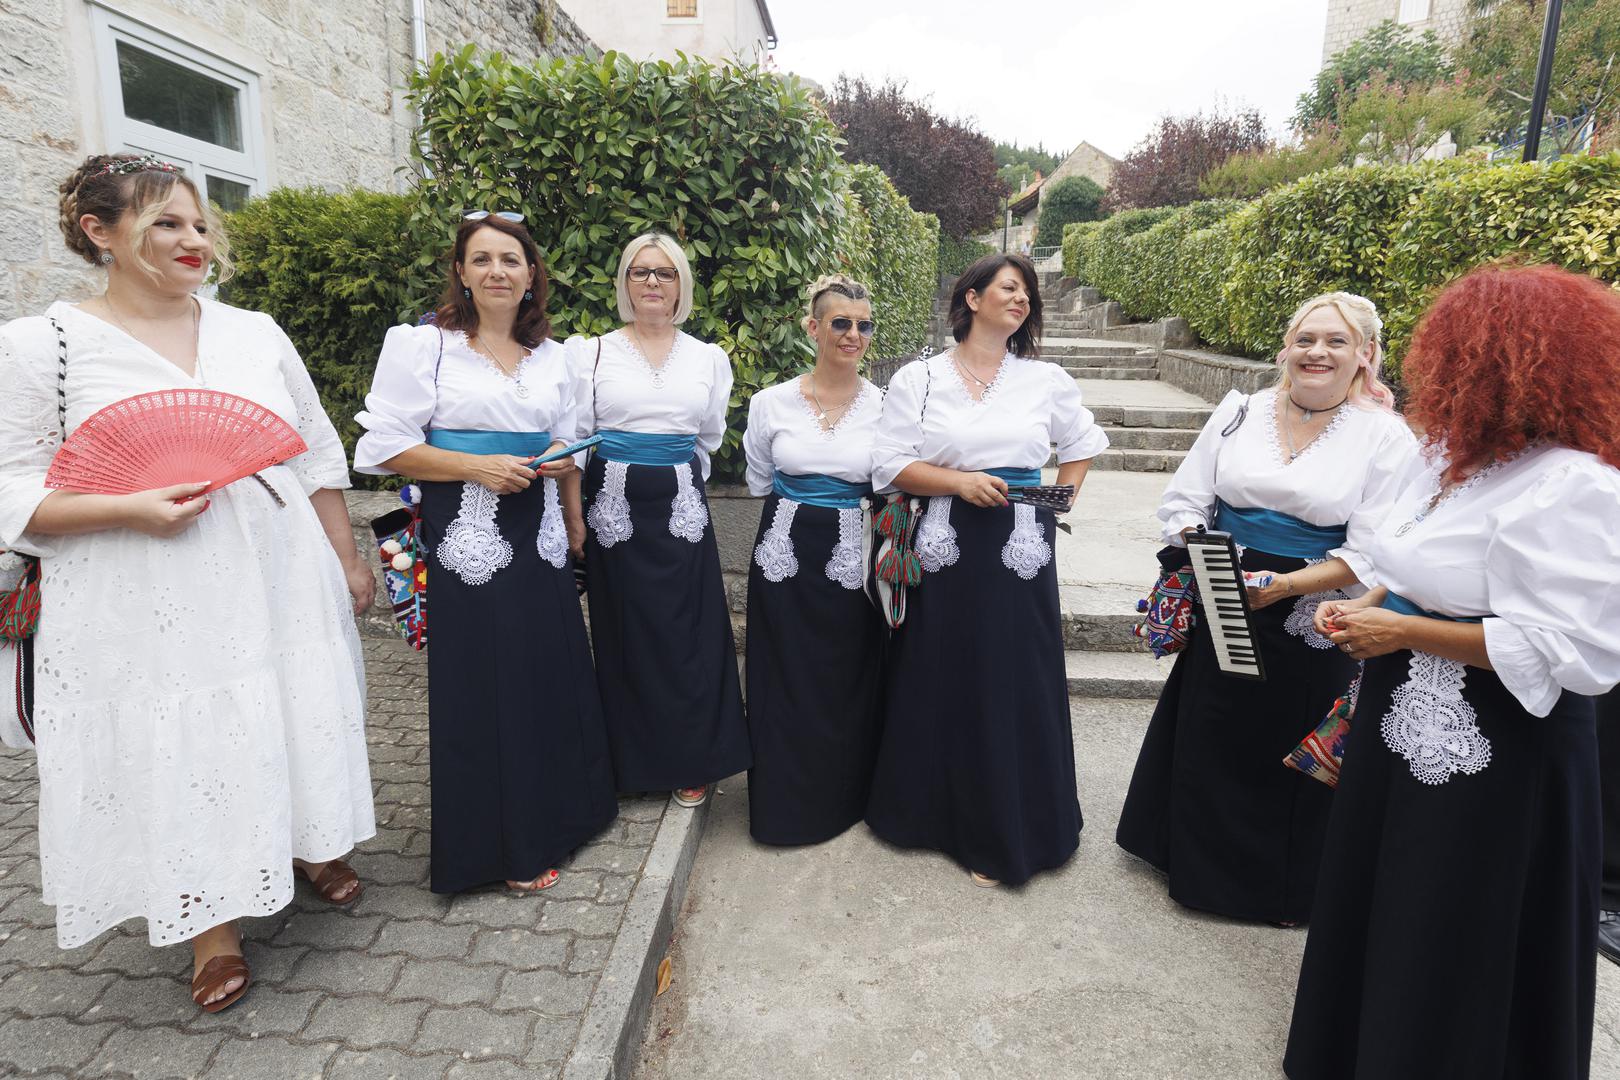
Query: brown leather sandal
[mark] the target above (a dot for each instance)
(215, 974)
(332, 880)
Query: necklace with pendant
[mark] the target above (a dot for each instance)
(657, 373)
(822, 412)
(1288, 428)
(500, 365)
(1441, 497)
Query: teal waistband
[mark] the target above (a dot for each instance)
(1018, 477)
(1277, 533)
(517, 443)
(818, 490)
(641, 448)
(1400, 604)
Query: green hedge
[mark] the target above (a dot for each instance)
(1111, 261)
(1154, 256)
(901, 254)
(956, 256)
(1078, 240)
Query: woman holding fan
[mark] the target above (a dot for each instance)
(199, 698)
(464, 405)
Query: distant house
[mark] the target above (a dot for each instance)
(1084, 160)
(1348, 20)
(658, 29)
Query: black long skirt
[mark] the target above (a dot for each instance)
(1211, 803)
(815, 690)
(1608, 728)
(666, 662)
(1456, 924)
(977, 753)
(519, 756)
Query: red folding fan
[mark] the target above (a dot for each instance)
(167, 437)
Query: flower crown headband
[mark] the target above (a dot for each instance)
(130, 166)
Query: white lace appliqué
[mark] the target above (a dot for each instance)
(473, 548)
(845, 566)
(688, 516)
(1301, 621)
(610, 510)
(774, 554)
(552, 539)
(936, 538)
(1431, 726)
(1322, 436)
(1026, 550)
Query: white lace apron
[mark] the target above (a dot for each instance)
(1025, 552)
(609, 518)
(777, 560)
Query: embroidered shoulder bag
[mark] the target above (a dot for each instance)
(898, 568)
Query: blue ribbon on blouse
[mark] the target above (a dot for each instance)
(1401, 605)
(1278, 533)
(517, 443)
(643, 448)
(1018, 477)
(817, 489)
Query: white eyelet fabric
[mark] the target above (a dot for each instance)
(552, 539)
(774, 553)
(609, 518)
(473, 549)
(936, 537)
(688, 516)
(1432, 726)
(1026, 550)
(845, 566)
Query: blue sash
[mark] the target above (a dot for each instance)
(641, 448)
(1276, 533)
(1401, 605)
(818, 490)
(517, 443)
(1018, 477)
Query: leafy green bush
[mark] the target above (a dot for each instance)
(1074, 198)
(1199, 293)
(956, 256)
(1078, 240)
(327, 267)
(1111, 260)
(902, 251)
(1255, 172)
(1155, 258)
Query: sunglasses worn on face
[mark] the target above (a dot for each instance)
(505, 215)
(841, 325)
(664, 274)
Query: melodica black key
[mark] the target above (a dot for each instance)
(1215, 564)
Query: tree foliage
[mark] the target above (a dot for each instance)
(1017, 165)
(1074, 198)
(1255, 172)
(1390, 122)
(944, 166)
(1388, 49)
(1164, 169)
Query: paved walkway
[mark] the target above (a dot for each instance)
(408, 984)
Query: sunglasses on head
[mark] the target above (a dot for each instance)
(665, 274)
(841, 325)
(505, 215)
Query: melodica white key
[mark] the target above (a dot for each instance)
(1215, 565)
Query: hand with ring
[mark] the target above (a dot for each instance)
(1363, 633)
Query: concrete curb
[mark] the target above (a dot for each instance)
(611, 1033)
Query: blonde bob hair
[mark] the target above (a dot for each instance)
(668, 245)
(1361, 315)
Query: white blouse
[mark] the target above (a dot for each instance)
(1030, 406)
(783, 435)
(1348, 475)
(415, 388)
(687, 395)
(1532, 547)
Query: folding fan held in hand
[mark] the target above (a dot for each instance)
(168, 437)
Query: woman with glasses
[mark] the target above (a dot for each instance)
(977, 753)
(666, 661)
(815, 643)
(521, 775)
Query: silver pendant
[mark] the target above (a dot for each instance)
(658, 378)
(520, 390)
(1404, 529)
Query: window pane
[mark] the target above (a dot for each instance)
(228, 195)
(681, 9)
(1414, 10)
(167, 95)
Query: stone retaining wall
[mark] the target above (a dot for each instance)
(1211, 375)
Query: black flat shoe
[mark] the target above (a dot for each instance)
(1609, 934)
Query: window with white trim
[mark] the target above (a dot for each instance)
(1414, 10)
(680, 9)
(164, 96)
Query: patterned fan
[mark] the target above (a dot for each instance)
(167, 437)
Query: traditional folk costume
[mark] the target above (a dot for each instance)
(815, 641)
(199, 700)
(1210, 802)
(666, 661)
(519, 755)
(1456, 916)
(977, 752)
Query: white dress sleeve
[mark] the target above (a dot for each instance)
(1386, 475)
(1190, 497)
(404, 393)
(1554, 595)
(29, 430)
(757, 446)
(1074, 429)
(899, 439)
(712, 429)
(324, 464)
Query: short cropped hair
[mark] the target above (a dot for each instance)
(670, 247)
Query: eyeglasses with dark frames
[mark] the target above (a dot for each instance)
(505, 215)
(664, 274)
(841, 325)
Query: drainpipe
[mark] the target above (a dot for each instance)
(418, 59)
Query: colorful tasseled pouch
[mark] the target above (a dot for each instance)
(898, 568)
(1320, 754)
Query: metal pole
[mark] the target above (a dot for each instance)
(1538, 100)
(1006, 223)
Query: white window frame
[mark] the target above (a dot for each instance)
(200, 159)
(1415, 11)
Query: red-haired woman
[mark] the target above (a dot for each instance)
(521, 775)
(1453, 933)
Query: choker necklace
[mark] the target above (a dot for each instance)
(1305, 418)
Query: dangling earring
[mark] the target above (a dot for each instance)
(528, 294)
(106, 257)
(466, 293)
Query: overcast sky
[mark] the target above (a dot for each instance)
(1061, 71)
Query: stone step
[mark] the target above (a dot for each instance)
(1108, 360)
(1080, 345)
(1115, 674)
(1151, 438)
(1113, 373)
(1131, 460)
(1141, 416)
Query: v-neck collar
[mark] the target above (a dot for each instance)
(118, 331)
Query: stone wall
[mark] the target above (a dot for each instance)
(1212, 375)
(1086, 160)
(1349, 19)
(332, 110)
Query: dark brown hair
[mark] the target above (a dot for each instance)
(91, 189)
(458, 312)
(976, 278)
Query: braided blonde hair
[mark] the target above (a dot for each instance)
(93, 188)
(841, 284)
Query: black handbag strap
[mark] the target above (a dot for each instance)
(61, 376)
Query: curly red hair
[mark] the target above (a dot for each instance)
(1513, 355)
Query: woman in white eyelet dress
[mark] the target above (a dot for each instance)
(1456, 913)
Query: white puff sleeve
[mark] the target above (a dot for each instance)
(1554, 595)
(1387, 473)
(756, 441)
(324, 464)
(1074, 430)
(404, 393)
(29, 429)
(1189, 499)
(899, 439)
(712, 429)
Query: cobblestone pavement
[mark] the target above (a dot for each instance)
(407, 984)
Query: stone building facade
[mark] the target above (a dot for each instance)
(658, 29)
(1347, 20)
(247, 96)
(1085, 160)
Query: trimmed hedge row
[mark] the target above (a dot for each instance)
(897, 261)
(1394, 233)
